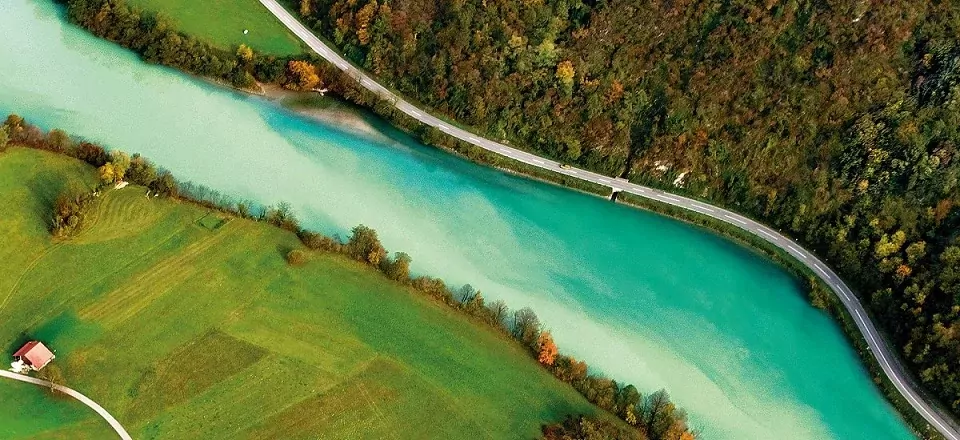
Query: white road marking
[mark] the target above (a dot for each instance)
(473, 139)
(705, 208)
(672, 199)
(415, 113)
(537, 161)
(821, 270)
(603, 181)
(442, 127)
(774, 237)
(797, 251)
(735, 219)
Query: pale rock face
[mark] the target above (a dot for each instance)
(679, 181)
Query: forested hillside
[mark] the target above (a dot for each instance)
(836, 121)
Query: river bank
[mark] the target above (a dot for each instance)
(331, 110)
(350, 117)
(789, 263)
(729, 334)
(326, 109)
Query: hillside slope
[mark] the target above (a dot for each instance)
(184, 326)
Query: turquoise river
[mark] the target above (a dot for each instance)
(641, 297)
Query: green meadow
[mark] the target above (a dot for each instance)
(222, 22)
(29, 411)
(185, 323)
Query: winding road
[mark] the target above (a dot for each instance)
(76, 395)
(886, 357)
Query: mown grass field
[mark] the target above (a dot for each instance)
(29, 411)
(221, 22)
(183, 327)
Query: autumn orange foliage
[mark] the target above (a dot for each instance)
(547, 349)
(303, 76)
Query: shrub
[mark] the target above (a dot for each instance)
(92, 154)
(301, 75)
(58, 141)
(296, 257)
(282, 217)
(318, 242)
(52, 374)
(364, 245)
(69, 211)
(165, 185)
(398, 268)
(434, 287)
(141, 171)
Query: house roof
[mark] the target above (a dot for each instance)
(35, 353)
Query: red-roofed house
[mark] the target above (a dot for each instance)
(34, 354)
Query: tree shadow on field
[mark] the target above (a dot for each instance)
(45, 187)
(16, 343)
(284, 250)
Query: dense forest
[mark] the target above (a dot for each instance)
(836, 121)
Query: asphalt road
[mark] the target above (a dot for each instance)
(888, 360)
(72, 393)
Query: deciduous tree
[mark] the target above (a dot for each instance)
(245, 53)
(547, 349)
(302, 76)
(59, 141)
(565, 74)
(526, 327)
(364, 245)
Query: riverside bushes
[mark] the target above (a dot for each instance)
(155, 39)
(151, 36)
(70, 211)
(364, 246)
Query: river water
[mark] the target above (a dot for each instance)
(641, 297)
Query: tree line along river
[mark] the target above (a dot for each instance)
(644, 298)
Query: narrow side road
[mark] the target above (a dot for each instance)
(888, 359)
(76, 395)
